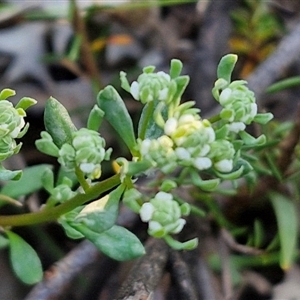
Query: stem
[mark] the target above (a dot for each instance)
(86, 53)
(81, 179)
(214, 119)
(148, 115)
(54, 213)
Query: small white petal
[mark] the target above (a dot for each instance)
(163, 196)
(163, 94)
(236, 127)
(170, 126)
(182, 153)
(135, 90)
(224, 165)
(224, 96)
(146, 212)
(180, 224)
(210, 133)
(204, 151)
(202, 163)
(164, 75)
(154, 226)
(145, 146)
(87, 167)
(188, 118)
(253, 111)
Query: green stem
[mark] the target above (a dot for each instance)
(214, 119)
(148, 115)
(55, 212)
(81, 179)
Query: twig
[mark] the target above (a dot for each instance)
(273, 67)
(59, 276)
(88, 59)
(225, 263)
(287, 146)
(181, 276)
(233, 245)
(146, 273)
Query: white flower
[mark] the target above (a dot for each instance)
(182, 153)
(163, 94)
(163, 196)
(146, 212)
(87, 167)
(164, 75)
(236, 127)
(202, 163)
(210, 133)
(204, 150)
(135, 90)
(224, 165)
(170, 126)
(225, 96)
(154, 226)
(145, 146)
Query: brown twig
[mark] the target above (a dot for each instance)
(87, 57)
(59, 276)
(273, 67)
(146, 273)
(287, 146)
(181, 277)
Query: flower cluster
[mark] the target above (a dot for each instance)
(12, 124)
(86, 151)
(163, 214)
(238, 102)
(151, 86)
(188, 141)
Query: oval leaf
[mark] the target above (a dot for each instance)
(118, 243)
(226, 66)
(117, 115)
(25, 261)
(286, 215)
(30, 182)
(58, 122)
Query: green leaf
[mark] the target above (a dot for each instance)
(284, 84)
(181, 82)
(4, 242)
(147, 127)
(188, 245)
(58, 122)
(124, 82)
(287, 222)
(118, 243)
(46, 145)
(95, 118)
(25, 103)
(6, 93)
(9, 175)
(30, 182)
(100, 215)
(25, 261)
(66, 222)
(208, 185)
(226, 66)
(251, 141)
(176, 68)
(263, 118)
(259, 233)
(117, 115)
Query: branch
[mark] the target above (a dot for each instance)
(146, 273)
(273, 67)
